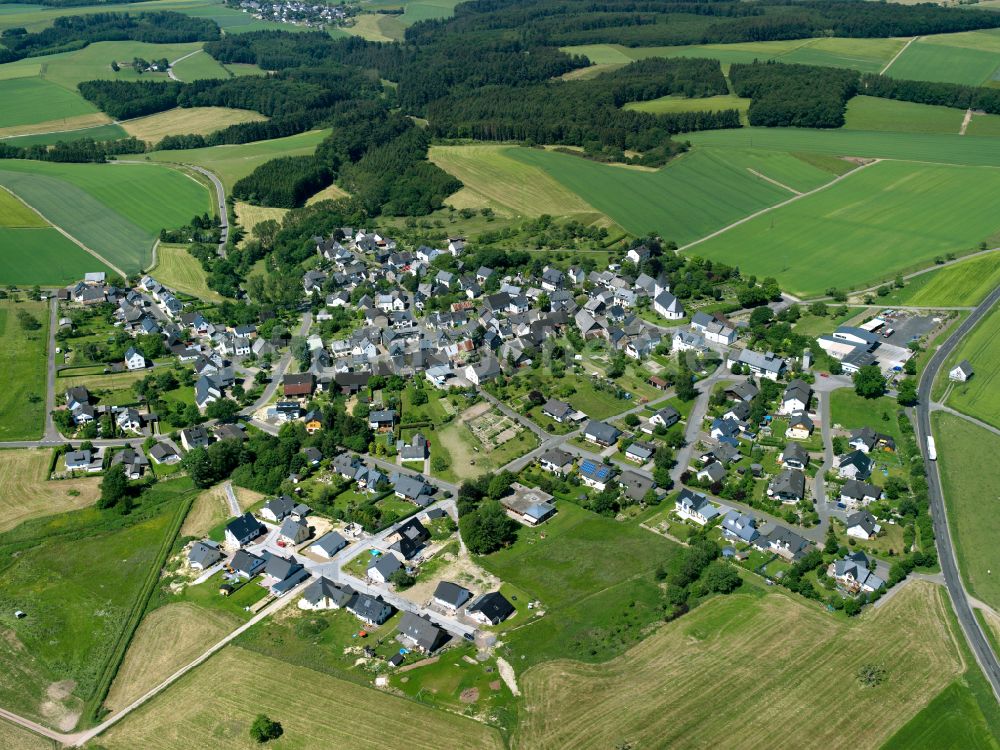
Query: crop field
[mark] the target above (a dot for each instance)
(971, 496)
(202, 120)
(250, 216)
(927, 61)
(953, 719)
(190, 631)
(964, 283)
(200, 66)
(114, 209)
(984, 125)
(871, 113)
(77, 593)
(35, 136)
(14, 213)
(929, 147)
(314, 715)
(692, 196)
(28, 492)
(29, 100)
(885, 218)
(13, 736)
(178, 269)
(231, 163)
(980, 396)
(683, 104)
(42, 256)
(654, 695)
(22, 362)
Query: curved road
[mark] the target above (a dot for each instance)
(946, 552)
(220, 197)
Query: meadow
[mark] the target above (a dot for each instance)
(937, 61)
(115, 209)
(14, 213)
(230, 163)
(250, 216)
(321, 711)
(980, 396)
(737, 650)
(33, 135)
(667, 104)
(178, 269)
(28, 492)
(200, 66)
(12, 736)
(22, 361)
(972, 497)
(33, 100)
(201, 120)
(955, 718)
(872, 113)
(885, 218)
(964, 283)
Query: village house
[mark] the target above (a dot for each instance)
(854, 574)
(854, 465)
(194, 437)
(596, 475)
(328, 545)
(800, 426)
(767, 365)
(601, 433)
(490, 609)
(557, 461)
(450, 596)
(961, 372)
(694, 506)
(381, 568)
(788, 487)
(862, 525)
(323, 593)
(203, 555)
(794, 456)
(242, 530)
(795, 399)
(857, 494)
(784, 543)
(372, 610)
(739, 526)
(528, 505)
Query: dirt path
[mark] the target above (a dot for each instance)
(508, 676)
(896, 56)
(773, 181)
(965, 122)
(170, 68)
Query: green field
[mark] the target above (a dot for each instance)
(231, 163)
(199, 66)
(964, 283)
(178, 269)
(984, 125)
(953, 719)
(683, 104)
(115, 209)
(42, 256)
(925, 61)
(980, 396)
(886, 218)
(29, 100)
(22, 361)
(13, 213)
(972, 497)
(98, 133)
(871, 113)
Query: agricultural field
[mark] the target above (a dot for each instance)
(15, 214)
(42, 256)
(28, 492)
(378, 27)
(190, 631)
(671, 104)
(211, 509)
(13, 736)
(33, 137)
(199, 120)
(885, 218)
(980, 396)
(250, 216)
(313, 716)
(33, 100)
(22, 361)
(872, 113)
(971, 496)
(114, 209)
(927, 60)
(329, 193)
(199, 66)
(954, 718)
(719, 650)
(178, 269)
(964, 283)
(230, 163)
(984, 125)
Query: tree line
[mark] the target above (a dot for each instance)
(932, 92)
(80, 150)
(804, 96)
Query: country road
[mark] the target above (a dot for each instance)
(946, 552)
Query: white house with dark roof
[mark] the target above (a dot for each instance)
(862, 525)
(767, 365)
(961, 372)
(695, 506)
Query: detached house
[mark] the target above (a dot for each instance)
(668, 306)
(853, 573)
(854, 465)
(794, 457)
(490, 609)
(601, 433)
(767, 365)
(961, 372)
(325, 594)
(800, 426)
(558, 411)
(243, 530)
(483, 371)
(695, 506)
(134, 360)
(788, 487)
(796, 397)
(421, 634)
(556, 461)
(855, 494)
(382, 420)
(862, 525)
(740, 526)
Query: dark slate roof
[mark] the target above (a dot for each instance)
(493, 605)
(452, 593)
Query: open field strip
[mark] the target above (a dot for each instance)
(108, 132)
(22, 362)
(66, 125)
(964, 283)
(178, 269)
(28, 493)
(13, 736)
(185, 121)
(320, 712)
(33, 100)
(16, 213)
(211, 508)
(199, 66)
(230, 163)
(739, 650)
(980, 395)
(329, 193)
(667, 104)
(43, 256)
(887, 217)
(929, 61)
(871, 113)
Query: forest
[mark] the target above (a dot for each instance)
(80, 150)
(285, 182)
(928, 92)
(69, 33)
(803, 96)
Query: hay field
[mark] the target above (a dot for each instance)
(210, 509)
(22, 362)
(178, 269)
(221, 698)
(187, 120)
(672, 104)
(190, 630)
(250, 216)
(964, 283)
(767, 666)
(27, 492)
(66, 127)
(329, 193)
(32, 100)
(14, 737)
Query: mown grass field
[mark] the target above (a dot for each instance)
(250, 216)
(13, 736)
(178, 269)
(762, 660)
(972, 497)
(930, 61)
(28, 100)
(320, 712)
(200, 66)
(115, 209)
(871, 113)
(885, 218)
(22, 361)
(964, 283)
(42, 256)
(953, 719)
(329, 193)
(231, 163)
(202, 120)
(980, 396)
(28, 492)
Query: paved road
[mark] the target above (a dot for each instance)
(695, 420)
(946, 552)
(819, 481)
(220, 197)
(277, 373)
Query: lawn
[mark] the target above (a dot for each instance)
(200, 66)
(114, 209)
(980, 396)
(655, 694)
(469, 457)
(178, 269)
(230, 163)
(321, 711)
(953, 719)
(964, 283)
(189, 120)
(113, 388)
(888, 217)
(28, 492)
(33, 100)
(852, 412)
(927, 61)
(42, 256)
(872, 113)
(972, 497)
(593, 577)
(22, 362)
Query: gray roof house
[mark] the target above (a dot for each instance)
(370, 609)
(283, 573)
(323, 593)
(490, 609)
(421, 633)
(601, 433)
(294, 530)
(203, 554)
(795, 456)
(451, 595)
(789, 486)
(243, 529)
(767, 365)
(328, 545)
(740, 526)
(854, 465)
(382, 567)
(277, 508)
(853, 573)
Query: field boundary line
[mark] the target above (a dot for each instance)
(965, 122)
(773, 181)
(782, 204)
(896, 56)
(68, 236)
